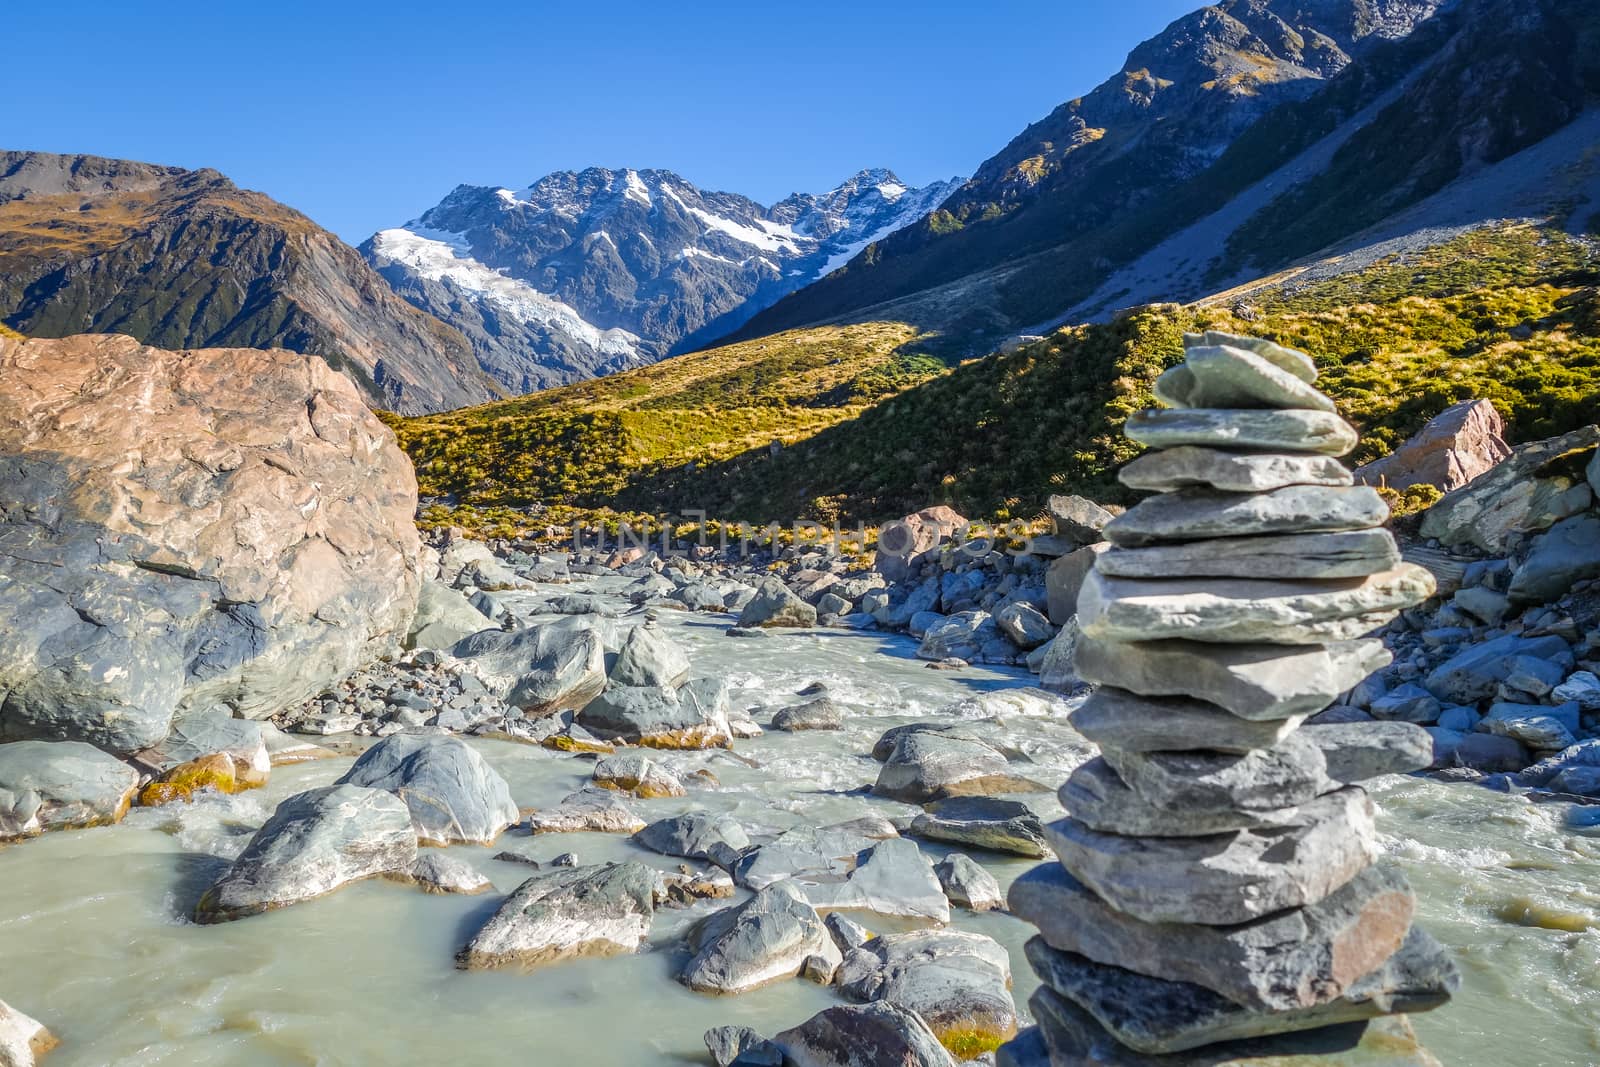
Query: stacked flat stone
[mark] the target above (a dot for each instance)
(1215, 899)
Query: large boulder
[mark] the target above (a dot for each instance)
(1458, 444)
(694, 715)
(649, 657)
(212, 732)
(183, 529)
(930, 764)
(774, 935)
(904, 546)
(316, 842)
(542, 670)
(1540, 484)
(1564, 555)
(453, 794)
(776, 605)
(565, 913)
(1065, 577)
(60, 785)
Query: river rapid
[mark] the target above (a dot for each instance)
(95, 940)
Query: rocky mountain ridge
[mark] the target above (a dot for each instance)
(185, 259)
(586, 273)
(1269, 130)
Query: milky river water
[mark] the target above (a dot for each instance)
(95, 943)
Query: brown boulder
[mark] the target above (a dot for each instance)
(187, 529)
(904, 545)
(1458, 444)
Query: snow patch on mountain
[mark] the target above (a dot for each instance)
(443, 256)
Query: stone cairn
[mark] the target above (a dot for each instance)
(1216, 900)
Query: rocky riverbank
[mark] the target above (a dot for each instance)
(704, 756)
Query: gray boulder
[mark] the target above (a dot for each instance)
(649, 657)
(772, 936)
(1357, 751)
(60, 785)
(959, 983)
(927, 765)
(1474, 673)
(185, 529)
(983, 822)
(454, 796)
(697, 835)
(213, 731)
(959, 636)
(1565, 555)
(1024, 624)
(740, 1046)
(775, 605)
(819, 714)
(864, 1035)
(314, 843)
(565, 913)
(542, 670)
(437, 872)
(967, 885)
(1527, 492)
(636, 773)
(443, 617)
(892, 878)
(807, 852)
(693, 716)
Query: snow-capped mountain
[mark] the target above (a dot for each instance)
(591, 272)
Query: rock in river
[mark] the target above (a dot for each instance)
(958, 982)
(567, 912)
(182, 529)
(453, 794)
(774, 935)
(22, 1040)
(60, 785)
(988, 823)
(541, 669)
(893, 878)
(863, 1035)
(316, 842)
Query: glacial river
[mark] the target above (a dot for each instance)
(94, 939)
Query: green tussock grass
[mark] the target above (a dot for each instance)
(1508, 314)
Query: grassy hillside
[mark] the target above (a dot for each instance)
(591, 443)
(1511, 314)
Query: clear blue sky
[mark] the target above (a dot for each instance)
(364, 114)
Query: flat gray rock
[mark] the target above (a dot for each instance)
(1289, 773)
(1241, 610)
(1353, 554)
(893, 878)
(1253, 681)
(589, 810)
(805, 851)
(1117, 719)
(566, 913)
(1204, 514)
(1096, 797)
(1156, 1016)
(60, 785)
(1282, 962)
(1356, 751)
(1073, 1037)
(659, 716)
(453, 794)
(1226, 376)
(819, 714)
(314, 843)
(1292, 360)
(1319, 432)
(1192, 466)
(958, 982)
(438, 872)
(773, 936)
(989, 823)
(1226, 878)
